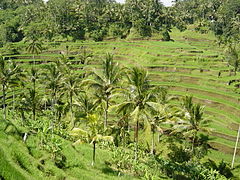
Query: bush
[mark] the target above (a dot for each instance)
(116, 30)
(145, 166)
(222, 168)
(166, 36)
(98, 35)
(179, 154)
(143, 29)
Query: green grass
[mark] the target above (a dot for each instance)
(25, 161)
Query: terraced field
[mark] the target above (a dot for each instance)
(192, 64)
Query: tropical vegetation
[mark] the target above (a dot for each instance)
(89, 89)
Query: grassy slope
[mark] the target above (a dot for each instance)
(19, 162)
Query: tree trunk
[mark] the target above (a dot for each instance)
(94, 153)
(158, 138)
(106, 115)
(34, 99)
(54, 107)
(13, 101)
(136, 131)
(23, 116)
(53, 112)
(4, 102)
(124, 137)
(193, 141)
(235, 149)
(153, 145)
(71, 111)
(136, 140)
(34, 113)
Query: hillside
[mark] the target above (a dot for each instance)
(191, 64)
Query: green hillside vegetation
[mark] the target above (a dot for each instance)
(102, 90)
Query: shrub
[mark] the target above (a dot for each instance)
(166, 36)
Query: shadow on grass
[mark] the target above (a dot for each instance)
(109, 171)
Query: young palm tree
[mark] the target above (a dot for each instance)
(84, 60)
(106, 84)
(161, 114)
(29, 99)
(85, 57)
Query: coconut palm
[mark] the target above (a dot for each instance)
(159, 112)
(86, 105)
(32, 96)
(194, 121)
(70, 88)
(84, 59)
(162, 114)
(106, 84)
(29, 102)
(140, 100)
(35, 48)
(52, 81)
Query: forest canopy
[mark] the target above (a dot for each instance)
(94, 19)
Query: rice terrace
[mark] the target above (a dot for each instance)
(102, 89)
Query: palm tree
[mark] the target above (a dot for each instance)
(194, 122)
(70, 87)
(9, 72)
(86, 105)
(29, 101)
(162, 114)
(140, 101)
(52, 80)
(35, 48)
(106, 84)
(84, 59)
(32, 96)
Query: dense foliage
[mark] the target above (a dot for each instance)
(76, 19)
(110, 107)
(220, 16)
